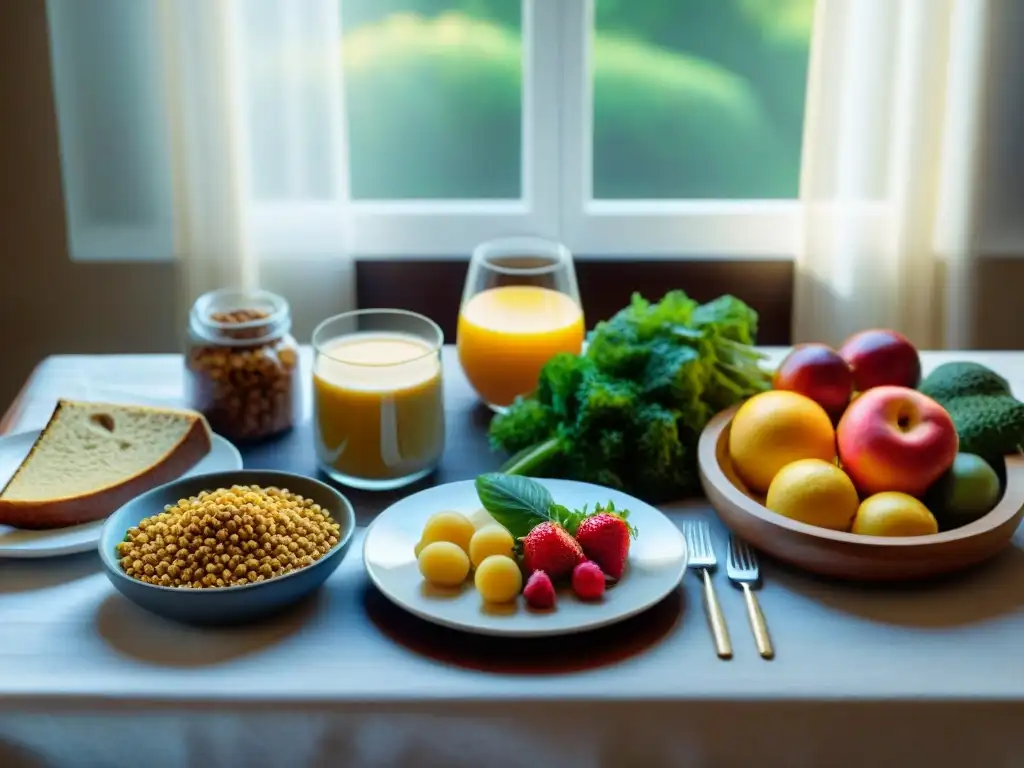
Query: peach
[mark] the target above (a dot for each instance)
(818, 372)
(895, 439)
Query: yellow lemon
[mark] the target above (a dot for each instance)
(776, 428)
(815, 492)
(894, 514)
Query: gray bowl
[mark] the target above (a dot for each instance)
(224, 605)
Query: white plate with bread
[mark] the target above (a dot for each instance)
(60, 483)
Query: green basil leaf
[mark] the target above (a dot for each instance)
(517, 502)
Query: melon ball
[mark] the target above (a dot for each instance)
(447, 526)
(443, 564)
(481, 518)
(490, 540)
(498, 579)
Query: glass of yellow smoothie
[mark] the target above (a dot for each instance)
(520, 307)
(378, 403)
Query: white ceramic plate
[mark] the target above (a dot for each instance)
(223, 457)
(657, 561)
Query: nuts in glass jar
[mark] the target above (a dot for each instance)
(242, 366)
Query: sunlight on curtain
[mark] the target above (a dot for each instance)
(255, 94)
(887, 183)
(208, 147)
(179, 119)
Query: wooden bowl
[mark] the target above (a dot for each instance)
(849, 555)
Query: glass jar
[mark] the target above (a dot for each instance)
(241, 363)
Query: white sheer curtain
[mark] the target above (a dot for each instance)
(888, 180)
(188, 125)
(208, 146)
(257, 119)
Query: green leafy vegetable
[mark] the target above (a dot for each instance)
(627, 414)
(520, 504)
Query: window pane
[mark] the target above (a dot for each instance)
(434, 98)
(111, 115)
(699, 98)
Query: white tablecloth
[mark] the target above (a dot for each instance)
(928, 675)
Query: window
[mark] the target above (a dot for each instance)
(708, 95)
(619, 127)
(434, 97)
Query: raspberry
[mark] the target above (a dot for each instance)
(539, 591)
(588, 581)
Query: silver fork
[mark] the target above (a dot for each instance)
(743, 569)
(702, 556)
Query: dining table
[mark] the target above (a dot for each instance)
(925, 674)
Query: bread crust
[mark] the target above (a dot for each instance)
(98, 504)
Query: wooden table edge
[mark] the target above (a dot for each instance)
(17, 406)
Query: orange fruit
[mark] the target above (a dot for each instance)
(815, 492)
(894, 514)
(776, 428)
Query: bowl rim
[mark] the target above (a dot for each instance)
(1004, 511)
(113, 566)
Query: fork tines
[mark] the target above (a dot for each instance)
(740, 555)
(698, 536)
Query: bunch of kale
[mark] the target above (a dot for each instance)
(627, 413)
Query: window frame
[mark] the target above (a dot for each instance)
(557, 121)
(660, 228)
(440, 228)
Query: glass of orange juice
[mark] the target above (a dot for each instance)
(378, 403)
(520, 307)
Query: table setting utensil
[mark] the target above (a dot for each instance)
(228, 604)
(702, 557)
(744, 571)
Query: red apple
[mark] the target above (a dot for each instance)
(818, 372)
(879, 357)
(895, 439)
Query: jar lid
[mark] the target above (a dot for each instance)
(211, 319)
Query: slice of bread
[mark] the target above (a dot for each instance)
(93, 457)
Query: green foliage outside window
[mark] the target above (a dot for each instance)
(692, 98)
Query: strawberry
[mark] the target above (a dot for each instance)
(539, 591)
(550, 548)
(604, 538)
(588, 581)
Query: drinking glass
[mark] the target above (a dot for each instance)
(520, 307)
(378, 403)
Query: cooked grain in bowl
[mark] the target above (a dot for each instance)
(228, 537)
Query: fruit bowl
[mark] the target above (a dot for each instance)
(852, 556)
